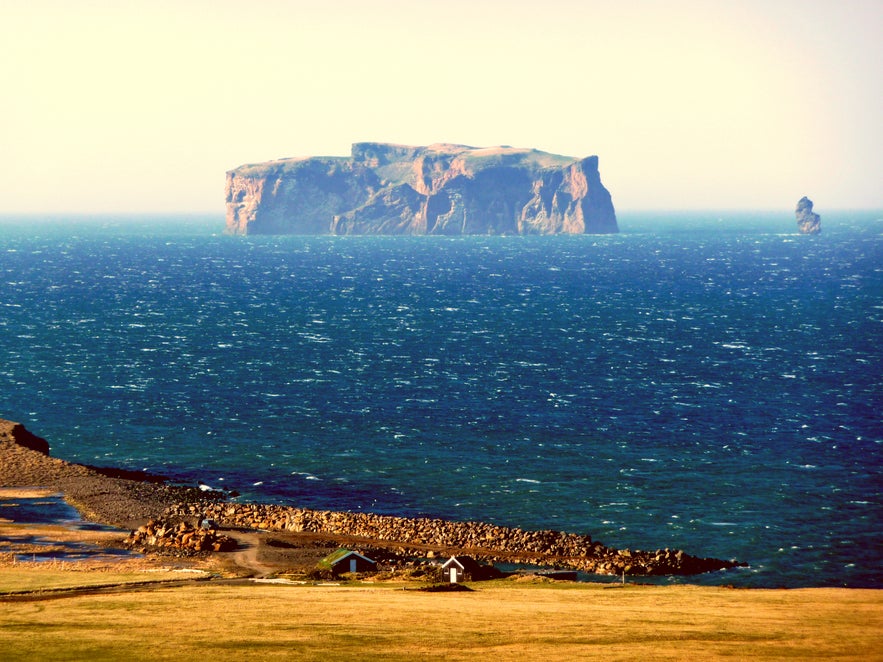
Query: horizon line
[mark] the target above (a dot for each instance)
(624, 210)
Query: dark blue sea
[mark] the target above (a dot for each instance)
(707, 382)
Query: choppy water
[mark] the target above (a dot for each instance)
(700, 383)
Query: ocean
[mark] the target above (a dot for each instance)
(703, 381)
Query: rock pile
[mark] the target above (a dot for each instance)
(479, 539)
(180, 536)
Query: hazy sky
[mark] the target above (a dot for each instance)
(141, 106)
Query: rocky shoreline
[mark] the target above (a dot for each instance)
(478, 539)
(167, 515)
(124, 499)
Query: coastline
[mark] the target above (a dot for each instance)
(123, 499)
(137, 501)
(250, 600)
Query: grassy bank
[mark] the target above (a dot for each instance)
(24, 577)
(506, 619)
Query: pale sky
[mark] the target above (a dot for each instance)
(141, 106)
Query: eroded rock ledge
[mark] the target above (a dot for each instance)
(441, 189)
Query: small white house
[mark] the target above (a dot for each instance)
(462, 569)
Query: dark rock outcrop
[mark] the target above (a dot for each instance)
(17, 434)
(441, 189)
(807, 221)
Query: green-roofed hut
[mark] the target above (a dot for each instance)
(346, 560)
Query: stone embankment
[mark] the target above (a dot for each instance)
(482, 540)
(182, 536)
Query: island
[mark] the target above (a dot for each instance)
(440, 189)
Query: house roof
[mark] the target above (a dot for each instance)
(466, 563)
(340, 555)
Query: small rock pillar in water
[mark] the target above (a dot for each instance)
(807, 221)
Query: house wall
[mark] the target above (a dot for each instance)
(343, 565)
(462, 575)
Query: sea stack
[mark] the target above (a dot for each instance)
(807, 221)
(442, 189)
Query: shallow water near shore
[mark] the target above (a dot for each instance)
(49, 508)
(695, 382)
(34, 515)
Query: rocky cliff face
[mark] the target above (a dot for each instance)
(440, 189)
(808, 222)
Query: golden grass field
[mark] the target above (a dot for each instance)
(108, 607)
(501, 620)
